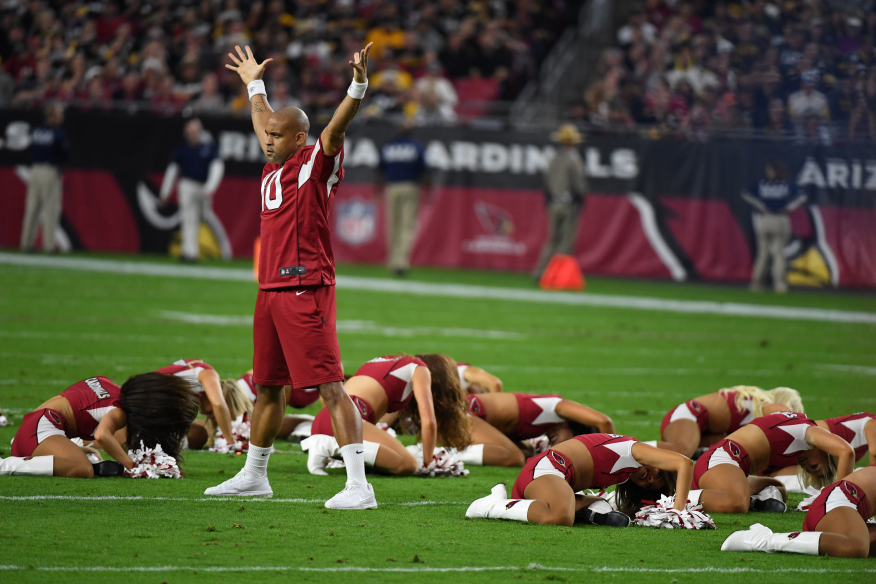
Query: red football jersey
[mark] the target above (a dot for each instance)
(296, 247)
(612, 455)
(91, 400)
(851, 429)
(395, 375)
(786, 433)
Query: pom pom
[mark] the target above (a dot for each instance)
(443, 464)
(152, 463)
(3, 420)
(240, 428)
(662, 515)
(807, 502)
(539, 444)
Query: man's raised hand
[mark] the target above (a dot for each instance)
(246, 66)
(360, 64)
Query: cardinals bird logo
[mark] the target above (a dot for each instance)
(793, 535)
(475, 406)
(495, 220)
(511, 503)
(851, 490)
(55, 417)
(734, 450)
(696, 406)
(558, 458)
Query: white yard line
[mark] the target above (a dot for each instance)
(534, 567)
(352, 327)
(454, 290)
(859, 369)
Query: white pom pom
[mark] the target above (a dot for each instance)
(152, 463)
(240, 428)
(807, 502)
(663, 515)
(443, 464)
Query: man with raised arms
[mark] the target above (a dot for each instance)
(294, 333)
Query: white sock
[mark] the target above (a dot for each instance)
(371, 449)
(257, 460)
(25, 466)
(650, 443)
(473, 455)
(354, 459)
(693, 496)
(802, 542)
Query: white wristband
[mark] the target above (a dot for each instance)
(357, 90)
(256, 87)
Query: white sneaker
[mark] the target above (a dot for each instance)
(319, 449)
(354, 496)
(753, 539)
(481, 507)
(243, 484)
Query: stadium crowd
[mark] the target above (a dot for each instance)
(688, 68)
(169, 55)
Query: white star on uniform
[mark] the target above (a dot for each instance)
(798, 433)
(857, 426)
(99, 413)
(746, 403)
(624, 451)
(406, 374)
(548, 414)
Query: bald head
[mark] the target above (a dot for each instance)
(291, 119)
(285, 133)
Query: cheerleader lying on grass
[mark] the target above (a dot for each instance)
(835, 525)
(424, 390)
(705, 420)
(545, 490)
(151, 407)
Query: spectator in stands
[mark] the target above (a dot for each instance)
(808, 101)
(210, 101)
(565, 187)
(778, 127)
(197, 164)
(772, 198)
(434, 85)
(637, 30)
(49, 149)
(400, 174)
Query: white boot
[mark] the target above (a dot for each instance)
(497, 506)
(302, 430)
(761, 539)
(602, 513)
(319, 449)
(38, 466)
(769, 499)
(243, 484)
(693, 496)
(473, 455)
(354, 496)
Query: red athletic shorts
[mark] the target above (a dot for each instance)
(839, 494)
(295, 339)
(689, 410)
(550, 462)
(724, 452)
(302, 397)
(36, 427)
(322, 423)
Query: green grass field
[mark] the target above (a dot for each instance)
(58, 326)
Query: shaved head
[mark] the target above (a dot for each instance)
(292, 120)
(285, 133)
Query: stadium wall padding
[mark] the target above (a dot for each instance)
(656, 209)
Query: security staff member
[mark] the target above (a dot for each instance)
(772, 198)
(402, 170)
(49, 148)
(565, 186)
(201, 170)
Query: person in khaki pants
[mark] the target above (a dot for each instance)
(565, 186)
(401, 173)
(49, 150)
(772, 198)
